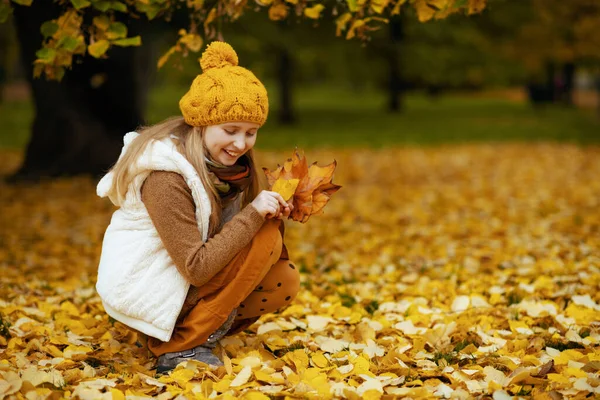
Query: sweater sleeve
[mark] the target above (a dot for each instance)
(171, 207)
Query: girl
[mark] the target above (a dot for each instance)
(195, 250)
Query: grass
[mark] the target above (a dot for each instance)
(16, 118)
(344, 118)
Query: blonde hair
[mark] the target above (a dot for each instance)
(189, 143)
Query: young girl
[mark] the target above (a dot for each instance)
(195, 250)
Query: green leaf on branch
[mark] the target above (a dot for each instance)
(118, 6)
(70, 43)
(98, 49)
(101, 5)
(5, 11)
(45, 55)
(352, 6)
(117, 30)
(101, 22)
(23, 2)
(79, 4)
(151, 10)
(132, 41)
(49, 28)
(59, 73)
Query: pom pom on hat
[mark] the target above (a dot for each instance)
(218, 55)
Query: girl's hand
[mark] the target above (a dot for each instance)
(271, 205)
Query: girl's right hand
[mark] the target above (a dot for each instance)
(271, 204)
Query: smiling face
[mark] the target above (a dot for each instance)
(227, 142)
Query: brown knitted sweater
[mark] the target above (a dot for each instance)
(171, 207)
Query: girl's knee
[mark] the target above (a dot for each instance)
(289, 278)
(279, 288)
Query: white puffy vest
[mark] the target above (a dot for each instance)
(138, 282)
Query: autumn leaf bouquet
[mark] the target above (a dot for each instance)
(308, 188)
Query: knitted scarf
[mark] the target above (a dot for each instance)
(229, 180)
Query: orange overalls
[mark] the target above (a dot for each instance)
(256, 281)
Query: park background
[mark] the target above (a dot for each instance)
(460, 257)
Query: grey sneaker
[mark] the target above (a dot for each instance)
(169, 361)
(204, 352)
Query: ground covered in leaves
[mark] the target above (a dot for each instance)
(435, 272)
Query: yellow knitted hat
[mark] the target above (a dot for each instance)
(225, 92)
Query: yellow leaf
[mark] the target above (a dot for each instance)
(361, 366)
(558, 378)
(98, 48)
(10, 383)
(242, 377)
(101, 22)
(372, 395)
(397, 6)
(319, 360)
(37, 377)
(53, 350)
(476, 6)
(299, 358)
(357, 24)
(253, 395)
(117, 394)
(192, 41)
(314, 12)
(72, 350)
(341, 22)
(424, 11)
(263, 377)
(379, 5)
(70, 308)
(222, 386)
(285, 188)
(165, 57)
(195, 4)
(583, 315)
(278, 11)
(578, 373)
(227, 363)
(182, 376)
(212, 15)
(317, 380)
(520, 327)
(566, 356)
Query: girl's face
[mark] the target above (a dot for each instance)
(227, 142)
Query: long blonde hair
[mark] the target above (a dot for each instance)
(189, 143)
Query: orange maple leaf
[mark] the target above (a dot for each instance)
(309, 188)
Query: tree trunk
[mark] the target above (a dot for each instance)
(552, 85)
(395, 81)
(543, 91)
(80, 121)
(597, 87)
(568, 83)
(284, 78)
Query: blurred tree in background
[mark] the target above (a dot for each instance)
(94, 48)
(79, 122)
(558, 37)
